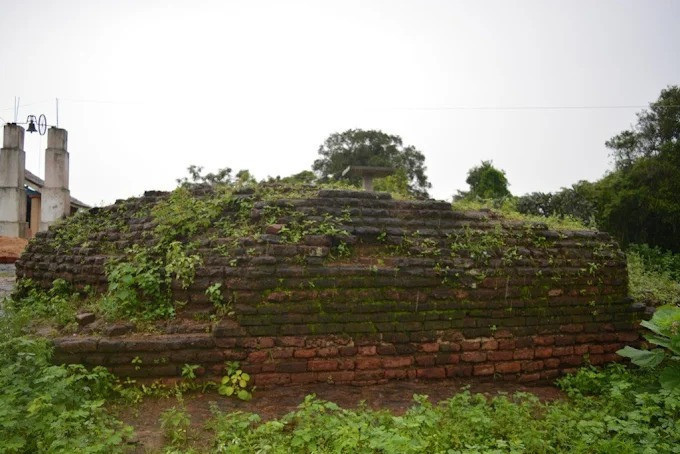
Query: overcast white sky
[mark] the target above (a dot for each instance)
(147, 87)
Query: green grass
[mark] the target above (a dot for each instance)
(506, 207)
(607, 411)
(650, 280)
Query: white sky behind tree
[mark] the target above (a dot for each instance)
(147, 87)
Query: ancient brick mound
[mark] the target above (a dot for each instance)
(427, 292)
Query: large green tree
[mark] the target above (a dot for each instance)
(640, 201)
(358, 147)
(486, 182)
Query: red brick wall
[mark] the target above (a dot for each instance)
(428, 293)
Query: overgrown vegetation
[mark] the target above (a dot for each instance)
(52, 409)
(653, 275)
(608, 411)
(665, 336)
(507, 207)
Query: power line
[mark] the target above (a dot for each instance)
(502, 108)
(421, 108)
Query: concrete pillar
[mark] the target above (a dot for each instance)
(55, 195)
(34, 226)
(12, 192)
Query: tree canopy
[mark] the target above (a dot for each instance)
(657, 132)
(640, 201)
(486, 182)
(357, 147)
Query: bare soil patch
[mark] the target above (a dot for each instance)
(273, 403)
(11, 248)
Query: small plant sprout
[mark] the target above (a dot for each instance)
(189, 371)
(235, 382)
(214, 294)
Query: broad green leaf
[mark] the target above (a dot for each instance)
(670, 378)
(642, 358)
(244, 395)
(661, 341)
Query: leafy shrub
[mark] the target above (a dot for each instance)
(57, 303)
(576, 202)
(610, 411)
(235, 382)
(140, 282)
(175, 424)
(652, 275)
(507, 206)
(658, 260)
(665, 332)
(46, 408)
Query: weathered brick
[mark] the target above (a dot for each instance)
(571, 360)
(470, 345)
(304, 353)
(458, 370)
(431, 372)
(532, 366)
(529, 377)
(580, 349)
(523, 353)
(292, 366)
(630, 336)
(386, 349)
(291, 341)
(78, 344)
(447, 358)
(551, 363)
(610, 348)
(326, 352)
(501, 355)
(563, 351)
(544, 340)
(259, 356)
(483, 369)
(397, 361)
(508, 367)
(543, 352)
(506, 344)
(368, 363)
(317, 365)
(490, 344)
(367, 350)
(396, 374)
(263, 380)
(473, 357)
(597, 349)
(372, 374)
(282, 353)
(336, 376)
(565, 340)
(449, 347)
(303, 378)
(425, 360)
(346, 363)
(571, 328)
(430, 347)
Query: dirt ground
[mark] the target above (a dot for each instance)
(11, 248)
(273, 403)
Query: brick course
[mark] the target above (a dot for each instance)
(416, 311)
